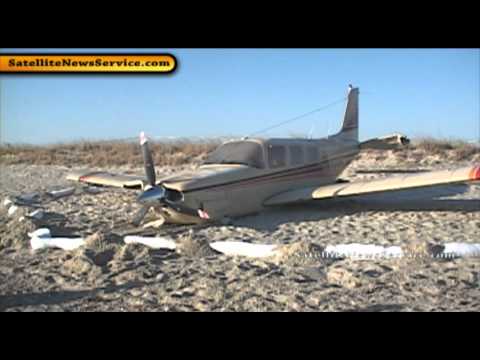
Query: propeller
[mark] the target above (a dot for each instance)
(148, 160)
(154, 194)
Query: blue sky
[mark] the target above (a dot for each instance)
(225, 92)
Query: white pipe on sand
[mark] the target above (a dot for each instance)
(41, 233)
(41, 238)
(462, 249)
(353, 251)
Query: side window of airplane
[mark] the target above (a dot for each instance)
(296, 155)
(276, 156)
(312, 154)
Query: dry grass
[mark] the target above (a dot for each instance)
(455, 149)
(105, 153)
(120, 153)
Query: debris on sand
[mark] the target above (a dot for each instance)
(27, 199)
(185, 245)
(37, 214)
(92, 190)
(462, 249)
(306, 251)
(41, 238)
(188, 246)
(43, 233)
(414, 250)
(34, 199)
(12, 209)
(7, 202)
(61, 193)
(300, 251)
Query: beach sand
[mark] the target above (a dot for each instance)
(107, 275)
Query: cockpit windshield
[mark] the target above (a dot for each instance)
(238, 152)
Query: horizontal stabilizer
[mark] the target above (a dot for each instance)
(388, 142)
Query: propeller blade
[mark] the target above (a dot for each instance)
(137, 219)
(147, 159)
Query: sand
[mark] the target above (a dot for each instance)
(107, 275)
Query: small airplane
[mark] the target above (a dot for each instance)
(245, 176)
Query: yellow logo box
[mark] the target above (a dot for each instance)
(87, 63)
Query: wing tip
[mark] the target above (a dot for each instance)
(475, 173)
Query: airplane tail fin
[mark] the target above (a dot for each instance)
(349, 129)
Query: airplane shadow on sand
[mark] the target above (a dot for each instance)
(426, 199)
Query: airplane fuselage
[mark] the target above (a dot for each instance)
(231, 189)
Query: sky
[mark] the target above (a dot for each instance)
(236, 92)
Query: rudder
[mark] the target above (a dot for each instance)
(350, 120)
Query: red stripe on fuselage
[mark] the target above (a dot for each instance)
(475, 173)
(284, 175)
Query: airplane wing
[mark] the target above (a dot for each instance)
(107, 179)
(418, 180)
